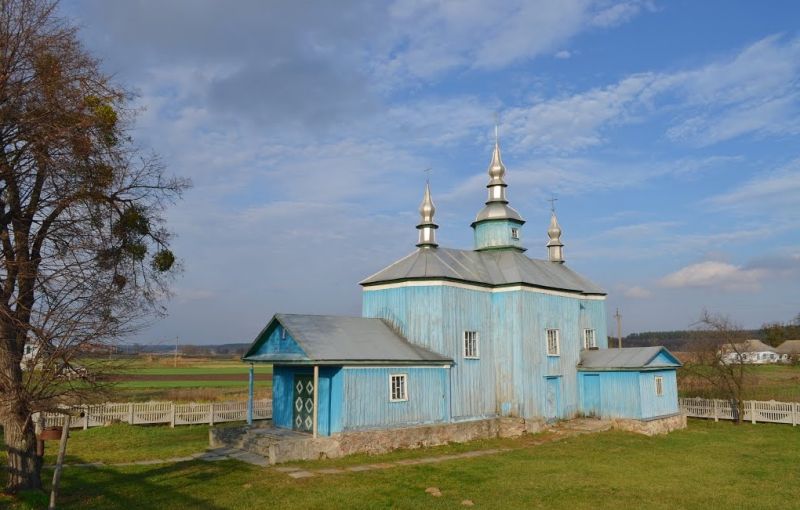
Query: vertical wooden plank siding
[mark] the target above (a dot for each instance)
(653, 405)
(282, 396)
(367, 404)
(620, 395)
(274, 344)
(508, 379)
(497, 233)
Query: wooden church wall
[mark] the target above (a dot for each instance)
(652, 404)
(366, 403)
(436, 317)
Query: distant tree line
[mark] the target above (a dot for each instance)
(774, 334)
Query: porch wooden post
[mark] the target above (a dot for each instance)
(250, 392)
(316, 399)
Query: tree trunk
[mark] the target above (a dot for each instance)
(24, 466)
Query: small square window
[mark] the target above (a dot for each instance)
(589, 339)
(515, 233)
(659, 386)
(398, 391)
(471, 345)
(553, 347)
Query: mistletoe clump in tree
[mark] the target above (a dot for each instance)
(84, 253)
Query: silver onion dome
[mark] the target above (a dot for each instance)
(426, 208)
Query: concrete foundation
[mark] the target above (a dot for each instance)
(652, 427)
(280, 445)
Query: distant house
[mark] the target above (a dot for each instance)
(30, 355)
(789, 350)
(754, 352)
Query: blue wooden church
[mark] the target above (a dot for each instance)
(450, 335)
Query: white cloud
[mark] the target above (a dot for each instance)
(563, 54)
(430, 38)
(716, 274)
(636, 292)
(757, 91)
(777, 191)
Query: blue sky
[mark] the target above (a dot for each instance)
(668, 131)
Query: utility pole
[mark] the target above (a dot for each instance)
(618, 316)
(175, 362)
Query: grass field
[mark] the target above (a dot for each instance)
(709, 465)
(189, 380)
(765, 382)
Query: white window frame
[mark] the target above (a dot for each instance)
(283, 333)
(515, 233)
(659, 385)
(593, 343)
(403, 397)
(467, 338)
(557, 350)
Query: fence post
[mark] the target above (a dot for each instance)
(211, 414)
(130, 413)
(85, 417)
(716, 414)
(753, 412)
(172, 415)
(794, 414)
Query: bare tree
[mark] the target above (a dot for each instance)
(716, 357)
(84, 253)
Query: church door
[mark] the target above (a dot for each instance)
(303, 403)
(591, 394)
(552, 399)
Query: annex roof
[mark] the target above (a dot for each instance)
(628, 358)
(789, 347)
(489, 268)
(330, 339)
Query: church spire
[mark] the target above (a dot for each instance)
(427, 228)
(497, 170)
(497, 225)
(555, 249)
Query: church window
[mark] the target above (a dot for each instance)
(589, 339)
(659, 386)
(515, 233)
(553, 347)
(471, 344)
(398, 388)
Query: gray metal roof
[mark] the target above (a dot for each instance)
(627, 358)
(490, 268)
(330, 338)
(497, 211)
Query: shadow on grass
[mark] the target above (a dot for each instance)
(156, 486)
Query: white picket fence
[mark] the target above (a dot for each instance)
(754, 410)
(146, 413)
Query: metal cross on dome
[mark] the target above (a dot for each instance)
(552, 201)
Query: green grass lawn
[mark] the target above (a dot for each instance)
(710, 465)
(764, 382)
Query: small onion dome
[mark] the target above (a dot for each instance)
(554, 232)
(555, 248)
(427, 228)
(497, 170)
(426, 208)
